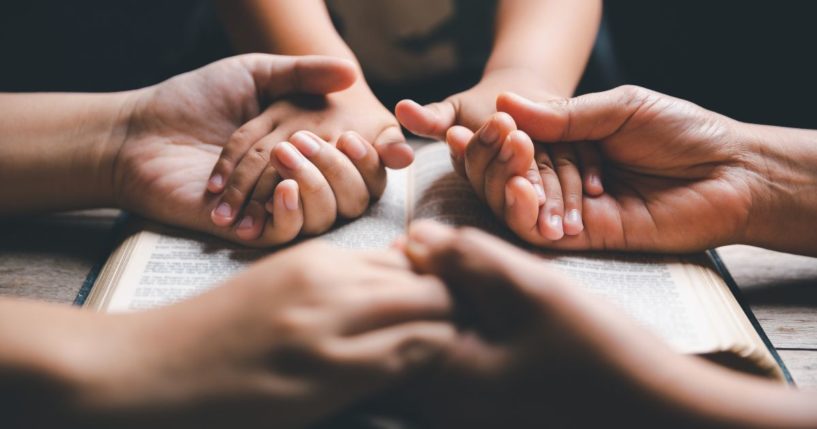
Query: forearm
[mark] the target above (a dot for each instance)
(783, 163)
(283, 27)
(56, 150)
(628, 375)
(40, 353)
(550, 38)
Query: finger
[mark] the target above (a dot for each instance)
(567, 169)
(522, 210)
(551, 214)
(392, 352)
(240, 142)
(319, 206)
(351, 193)
(591, 167)
(587, 117)
(392, 147)
(432, 120)
(277, 75)
(483, 147)
(255, 215)
(242, 181)
(398, 301)
(514, 158)
(483, 271)
(287, 215)
(365, 158)
(457, 138)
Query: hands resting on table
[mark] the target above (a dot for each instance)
(313, 331)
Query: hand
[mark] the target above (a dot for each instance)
(677, 175)
(532, 347)
(535, 350)
(559, 173)
(177, 129)
(294, 340)
(342, 171)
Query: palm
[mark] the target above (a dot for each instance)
(670, 183)
(175, 139)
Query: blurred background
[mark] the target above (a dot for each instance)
(750, 60)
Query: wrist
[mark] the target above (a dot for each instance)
(524, 80)
(782, 164)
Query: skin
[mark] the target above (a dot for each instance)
(679, 178)
(534, 349)
(150, 151)
(294, 340)
(528, 56)
(291, 342)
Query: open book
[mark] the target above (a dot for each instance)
(680, 298)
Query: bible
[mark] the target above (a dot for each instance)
(688, 300)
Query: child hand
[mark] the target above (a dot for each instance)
(341, 179)
(473, 108)
(307, 184)
(539, 200)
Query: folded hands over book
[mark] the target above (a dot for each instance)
(677, 177)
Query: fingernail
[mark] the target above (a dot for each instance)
(573, 217)
(224, 210)
(510, 199)
(540, 191)
(217, 181)
(506, 152)
(354, 147)
(490, 134)
(290, 200)
(555, 221)
(306, 143)
(246, 223)
(428, 232)
(289, 156)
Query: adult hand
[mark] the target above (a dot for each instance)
(347, 139)
(678, 178)
(294, 340)
(470, 117)
(177, 129)
(534, 350)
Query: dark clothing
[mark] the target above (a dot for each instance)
(104, 45)
(752, 60)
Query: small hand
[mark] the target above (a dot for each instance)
(178, 128)
(294, 340)
(564, 171)
(676, 174)
(345, 163)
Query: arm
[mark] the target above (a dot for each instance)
(538, 341)
(551, 39)
(271, 348)
(783, 163)
(56, 150)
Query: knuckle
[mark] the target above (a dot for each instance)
(565, 161)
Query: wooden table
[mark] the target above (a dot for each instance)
(48, 257)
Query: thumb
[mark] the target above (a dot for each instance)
(587, 117)
(432, 120)
(392, 147)
(278, 75)
(480, 270)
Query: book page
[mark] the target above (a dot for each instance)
(167, 265)
(438, 193)
(655, 290)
